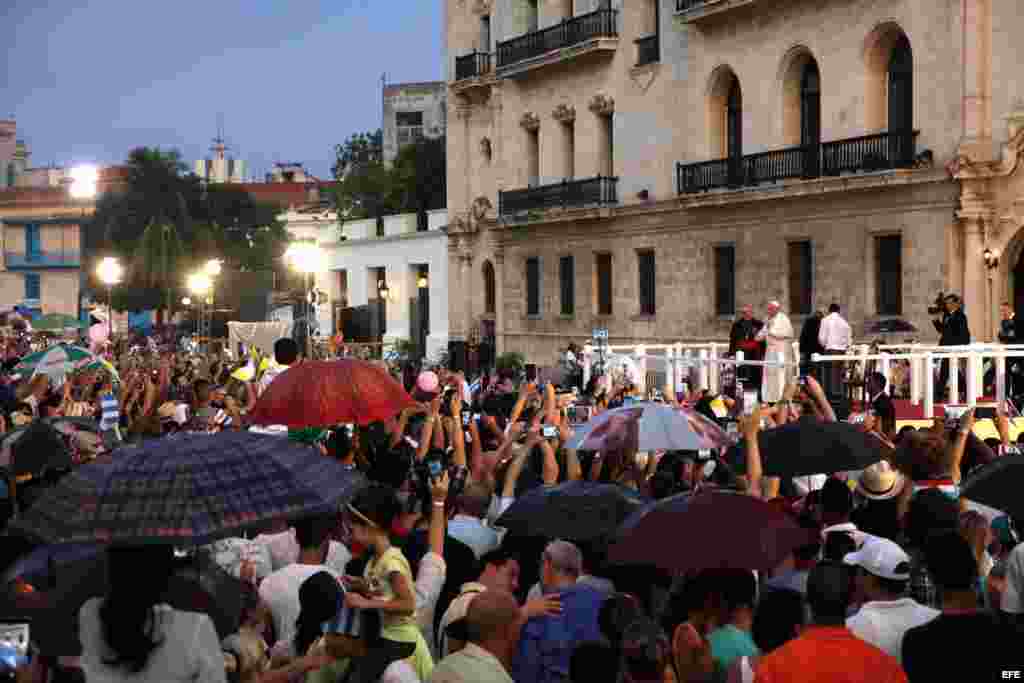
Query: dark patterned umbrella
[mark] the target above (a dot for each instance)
(997, 485)
(189, 490)
(708, 530)
(809, 446)
(575, 510)
(328, 393)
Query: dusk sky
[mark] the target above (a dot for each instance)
(87, 80)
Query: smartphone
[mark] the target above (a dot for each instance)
(732, 428)
(550, 432)
(466, 419)
(434, 467)
(953, 415)
(531, 373)
(704, 454)
(749, 401)
(801, 381)
(14, 648)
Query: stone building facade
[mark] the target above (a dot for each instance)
(649, 166)
(412, 111)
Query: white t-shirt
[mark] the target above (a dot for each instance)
(190, 650)
(883, 624)
(280, 592)
(284, 550)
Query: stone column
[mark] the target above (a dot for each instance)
(531, 162)
(456, 288)
(564, 134)
(975, 294)
(976, 142)
(499, 301)
(599, 144)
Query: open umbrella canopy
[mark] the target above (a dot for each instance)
(809, 446)
(40, 447)
(575, 510)
(708, 530)
(328, 393)
(189, 490)
(104, 365)
(649, 427)
(56, 361)
(55, 322)
(997, 485)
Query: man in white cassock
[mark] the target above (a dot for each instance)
(777, 334)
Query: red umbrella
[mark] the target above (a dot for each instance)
(327, 393)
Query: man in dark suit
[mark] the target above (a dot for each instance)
(743, 337)
(954, 331)
(881, 403)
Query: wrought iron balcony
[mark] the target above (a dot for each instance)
(597, 191)
(866, 154)
(473, 65)
(14, 260)
(648, 50)
(698, 10)
(571, 32)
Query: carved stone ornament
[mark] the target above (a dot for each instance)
(602, 105)
(485, 148)
(481, 6)
(530, 121)
(481, 205)
(564, 113)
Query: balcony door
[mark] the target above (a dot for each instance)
(734, 132)
(901, 100)
(810, 118)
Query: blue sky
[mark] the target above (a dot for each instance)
(87, 80)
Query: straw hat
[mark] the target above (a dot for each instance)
(880, 482)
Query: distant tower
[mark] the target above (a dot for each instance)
(221, 168)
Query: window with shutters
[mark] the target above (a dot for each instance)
(32, 287)
(647, 277)
(889, 274)
(533, 286)
(725, 280)
(801, 278)
(603, 263)
(567, 280)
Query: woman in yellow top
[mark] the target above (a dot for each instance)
(387, 584)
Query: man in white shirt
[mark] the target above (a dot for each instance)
(468, 523)
(280, 590)
(777, 333)
(886, 615)
(500, 572)
(835, 338)
(286, 354)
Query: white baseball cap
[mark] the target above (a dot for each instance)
(882, 558)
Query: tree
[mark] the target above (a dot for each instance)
(419, 173)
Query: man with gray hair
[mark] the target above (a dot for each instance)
(493, 623)
(777, 334)
(556, 635)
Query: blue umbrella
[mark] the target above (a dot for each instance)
(38, 567)
(189, 490)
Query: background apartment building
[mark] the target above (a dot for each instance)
(650, 166)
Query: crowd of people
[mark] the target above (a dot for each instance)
(415, 580)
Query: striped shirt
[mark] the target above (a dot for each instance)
(110, 415)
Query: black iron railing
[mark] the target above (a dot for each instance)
(648, 50)
(472, 65)
(686, 5)
(599, 24)
(568, 193)
(867, 153)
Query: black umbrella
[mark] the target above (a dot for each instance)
(39, 448)
(575, 510)
(889, 326)
(997, 485)
(809, 446)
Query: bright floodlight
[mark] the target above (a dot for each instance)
(213, 267)
(84, 180)
(185, 301)
(306, 257)
(109, 271)
(199, 283)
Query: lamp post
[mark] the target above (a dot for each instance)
(83, 187)
(200, 285)
(309, 259)
(110, 272)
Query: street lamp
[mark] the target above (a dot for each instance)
(199, 284)
(84, 180)
(110, 272)
(213, 267)
(309, 259)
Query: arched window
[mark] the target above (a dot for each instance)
(810, 105)
(490, 298)
(901, 87)
(734, 121)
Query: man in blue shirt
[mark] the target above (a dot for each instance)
(546, 643)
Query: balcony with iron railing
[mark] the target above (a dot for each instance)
(471, 69)
(568, 194)
(68, 258)
(592, 32)
(864, 154)
(694, 11)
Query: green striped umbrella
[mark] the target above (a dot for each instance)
(56, 361)
(103, 364)
(55, 322)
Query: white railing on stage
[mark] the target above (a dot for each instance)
(698, 365)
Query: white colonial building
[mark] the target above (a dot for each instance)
(385, 279)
